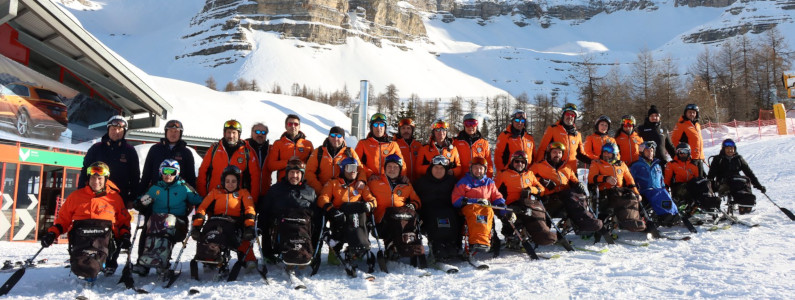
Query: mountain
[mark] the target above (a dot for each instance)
(440, 48)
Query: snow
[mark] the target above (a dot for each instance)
(740, 262)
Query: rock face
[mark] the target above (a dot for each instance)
(222, 24)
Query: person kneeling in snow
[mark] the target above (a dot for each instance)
(724, 171)
(648, 175)
(475, 194)
(91, 229)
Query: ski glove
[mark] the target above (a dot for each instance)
(146, 200)
(48, 239)
(761, 188)
(510, 217)
(248, 233)
(480, 201)
(547, 183)
(124, 242)
(196, 234)
(410, 206)
(368, 207)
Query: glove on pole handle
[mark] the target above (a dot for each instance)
(784, 210)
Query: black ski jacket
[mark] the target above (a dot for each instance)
(123, 163)
(655, 132)
(724, 167)
(160, 152)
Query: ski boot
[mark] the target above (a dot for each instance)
(476, 248)
(513, 243)
(140, 270)
(7, 265)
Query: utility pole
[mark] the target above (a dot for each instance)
(717, 114)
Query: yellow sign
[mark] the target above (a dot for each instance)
(781, 118)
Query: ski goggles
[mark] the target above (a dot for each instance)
(173, 124)
(233, 124)
(440, 125)
(98, 170)
(471, 123)
(440, 160)
(683, 152)
(729, 143)
(519, 115)
(405, 122)
(628, 122)
(118, 123)
(350, 168)
(169, 171)
(378, 117)
(335, 135)
(379, 124)
(649, 144)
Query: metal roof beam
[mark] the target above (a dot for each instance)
(8, 10)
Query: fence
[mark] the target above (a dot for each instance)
(766, 125)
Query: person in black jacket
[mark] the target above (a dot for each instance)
(724, 172)
(120, 157)
(441, 221)
(651, 130)
(285, 197)
(170, 147)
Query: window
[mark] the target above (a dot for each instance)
(27, 205)
(8, 173)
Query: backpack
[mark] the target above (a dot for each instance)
(218, 235)
(161, 234)
(89, 246)
(401, 231)
(626, 206)
(700, 192)
(354, 230)
(531, 215)
(740, 188)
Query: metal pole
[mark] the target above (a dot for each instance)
(717, 114)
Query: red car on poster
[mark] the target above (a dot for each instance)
(33, 109)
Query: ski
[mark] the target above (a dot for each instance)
(736, 220)
(553, 256)
(592, 250)
(366, 276)
(296, 283)
(447, 268)
(687, 223)
(642, 244)
(716, 227)
(477, 264)
(671, 238)
(11, 266)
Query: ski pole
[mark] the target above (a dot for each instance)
(784, 210)
(126, 273)
(12, 281)
(380, 256)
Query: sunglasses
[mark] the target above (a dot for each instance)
(471, 123)
(335, 135)
(379, 124)
(169, 171)
(262, 132)
(293, 124)
(517, 120)
(98, 171)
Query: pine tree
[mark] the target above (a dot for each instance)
(210, 83)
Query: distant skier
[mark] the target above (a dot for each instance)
(90, 228)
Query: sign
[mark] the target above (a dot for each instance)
(50, 158)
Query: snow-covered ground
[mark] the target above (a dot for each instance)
(739, 263)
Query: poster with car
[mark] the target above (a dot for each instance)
(39, 110)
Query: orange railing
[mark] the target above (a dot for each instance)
(765, 126)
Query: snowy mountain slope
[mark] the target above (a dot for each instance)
(466, 57)
(740, 263)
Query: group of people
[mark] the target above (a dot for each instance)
(395, 188)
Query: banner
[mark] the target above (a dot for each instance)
(39, 110)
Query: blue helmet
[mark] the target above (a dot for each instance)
(394, 158)
(611, 148)
(169, 167)
(348, 162)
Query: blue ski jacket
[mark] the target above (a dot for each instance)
(647, 175)
(175, 198)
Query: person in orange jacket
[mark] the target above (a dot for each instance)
(375, 147)
(565, 131)
(628, 140)
(291, 145)
(562, 189)
(341, 200)
(600, 137)
(688, 131)
(229, 201)
(616, 185)
(439, 144)
(322, 165)
(517, 183)
(229, 151)
(409, 147)
(514, 138)
(475, 194)
(261, 146)
(470, 143)
(392, 189)
(92, 216)
(679, 172)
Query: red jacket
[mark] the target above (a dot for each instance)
(410, 154)
(563, 176)
(471, 188)
(221, 160)
(688, 132)
(429, 151)
(284, 148)
(511, 183)
(557, 133)
(467, 152)
(594, 143)
(507, 144)
(387, 196)
(628, 146)
(373, 152)
(677, 171)
(601, 169)
(84, 204)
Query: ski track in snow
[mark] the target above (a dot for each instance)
(739, 262)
